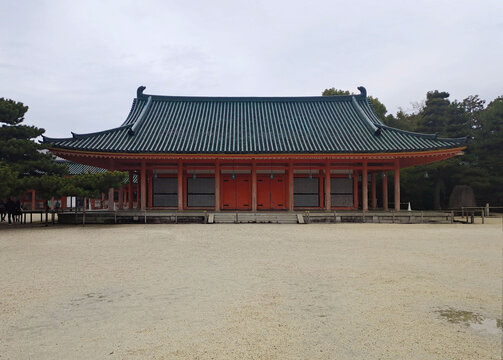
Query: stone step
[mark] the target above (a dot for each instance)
(276, 218)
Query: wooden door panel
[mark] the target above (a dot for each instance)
(278, 196)
(243, 194)
(228, 193)
(263, 192)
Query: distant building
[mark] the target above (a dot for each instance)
(31, 201)
(256, 153)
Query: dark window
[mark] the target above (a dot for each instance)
(201, 192)
(341, 192)
(165, 191)
(306, 192)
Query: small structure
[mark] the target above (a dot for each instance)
(256, 153)
(31, 201)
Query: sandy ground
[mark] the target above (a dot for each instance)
(320, 291)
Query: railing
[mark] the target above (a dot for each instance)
(22, 217)
(470, 212)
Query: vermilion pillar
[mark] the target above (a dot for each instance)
(254, 185)
(143, 185)
(373, 192)
(121, 198)
(290, 186)
(217, 186)
(355, 189)
(365, 187)
(327, 188)
(150, 176)
(180, 186)
(385, 190)
(130, 191)
(397, 185)
(33, 199)
(138, 192)
(111, 199)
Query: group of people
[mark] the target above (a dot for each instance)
(11, 210)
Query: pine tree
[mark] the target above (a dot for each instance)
(18, 148)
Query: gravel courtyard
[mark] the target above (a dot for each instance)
(319, 291)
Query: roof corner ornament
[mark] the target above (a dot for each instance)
(363, 91)
(141, 117)
(139, 91)
(376, 130)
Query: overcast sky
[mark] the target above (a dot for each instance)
(77, 64)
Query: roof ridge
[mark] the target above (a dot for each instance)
(141, 117)
(426, 136)
(321, 98)
(369, 123)
(78, 136)
(462, 138)
(51, 139)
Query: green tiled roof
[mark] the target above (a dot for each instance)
(76, 169)
(253, 125)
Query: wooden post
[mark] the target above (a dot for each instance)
(143, 186)
(121, 203)
(138, 194)
(33, 199)
(217, 185)
(110, 199)
(328, 193)
(180, 185)
(397, 185)
(150, 175)
(365, 187)
(355, 189)
(385, 190)
(130, 191)
(290, 186)
(254, 185)
(373, 190)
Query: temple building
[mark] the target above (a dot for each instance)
(256, 153)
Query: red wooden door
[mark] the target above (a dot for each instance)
(278, 193)
(228, 193)
(271, 193)
(236, 193)
(243, 192)
(263, 192)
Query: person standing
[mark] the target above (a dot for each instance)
(18, 211)
(9, 207)
(2, 210)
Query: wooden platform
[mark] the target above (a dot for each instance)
(298, 217)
